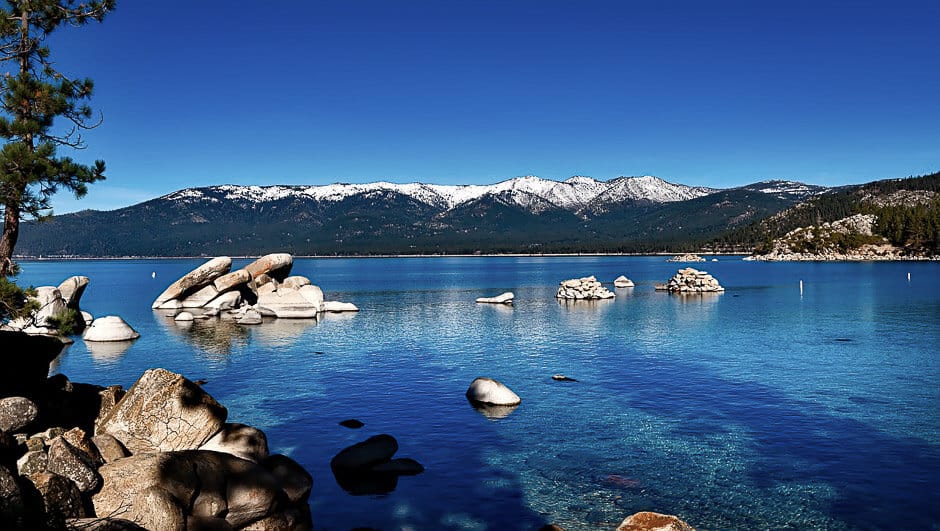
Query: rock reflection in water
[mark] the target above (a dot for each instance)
(281, 331)
(213, 336)
(108, 351)
(492, 412)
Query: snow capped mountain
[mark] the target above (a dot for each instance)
(529, 192)
(791, 189)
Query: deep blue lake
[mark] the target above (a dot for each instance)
(755, 408)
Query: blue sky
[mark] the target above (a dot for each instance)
(710, 93)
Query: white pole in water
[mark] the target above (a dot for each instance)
(801, 288)
(153, 275)
(908, 277)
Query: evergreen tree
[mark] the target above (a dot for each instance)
(34, 95)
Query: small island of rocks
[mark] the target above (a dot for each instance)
(689, 257)
(586, 288)
(691, 280)
(262, 288)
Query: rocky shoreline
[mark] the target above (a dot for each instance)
(159, 456)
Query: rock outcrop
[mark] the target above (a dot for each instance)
(587, 288)
(688, 257)
(623, 282)
(847, 239)
(161, 458)
(691, 280)
(72, 290)
(164, 411)
(261, 288)
(504, 298)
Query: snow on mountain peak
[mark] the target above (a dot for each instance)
(574, 193)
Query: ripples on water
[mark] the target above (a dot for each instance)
(756, 408)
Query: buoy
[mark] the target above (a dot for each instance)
(908, 277)
(801, 288)
(153, 275)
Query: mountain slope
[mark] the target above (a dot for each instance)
(907, 214)
(526, 214)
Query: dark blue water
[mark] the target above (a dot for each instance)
(756, 408)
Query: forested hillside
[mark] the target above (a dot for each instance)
(907, 211)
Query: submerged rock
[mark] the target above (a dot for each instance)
(352, 424)
(650, 521)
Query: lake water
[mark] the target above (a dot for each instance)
(756, 408)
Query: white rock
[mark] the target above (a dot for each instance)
(109, 328)
(286, 304)
(505, 298)
(337, 307)
(313, 294)
(623, 282)
(172, 304)
(250, 317)
(490, 391)
(183, 317)
(200, 297)
(225, 301)
(87, 317)
(296, 282)
(195, 279)
(51, 304)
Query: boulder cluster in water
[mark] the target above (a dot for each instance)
(159, 456)
(587, 288)
(688, 257)
(261, 288)
(691, 280)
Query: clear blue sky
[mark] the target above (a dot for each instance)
(699, 92)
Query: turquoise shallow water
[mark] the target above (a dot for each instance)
(756, 408)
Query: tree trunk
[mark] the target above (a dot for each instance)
(11, 232)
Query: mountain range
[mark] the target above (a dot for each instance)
(525, 214)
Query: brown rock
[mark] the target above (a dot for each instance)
(195, 279)
(239, 440)
(109, 448)
(372, 451)
(157, 509)
(109, 396)
(276, 265)
(60, 495)
(80, 440)
(231, 280)
(164, 411)
(68, 461)
(649, 521)
(101, 524)
(293, 479)
(17, 413)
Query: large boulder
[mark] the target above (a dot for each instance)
(239, 440)
(492, 392)
(16, 413)
(164, 411)
(623, 282)
(231, 280)
(195, 279)
(200, 297)
(296, 282)
(72, 289)
(294, 480)
(225, 301)
(51, 304)
(650, 521)
(277, 266)
(109, 328)
(160, 488)
(286, 304)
